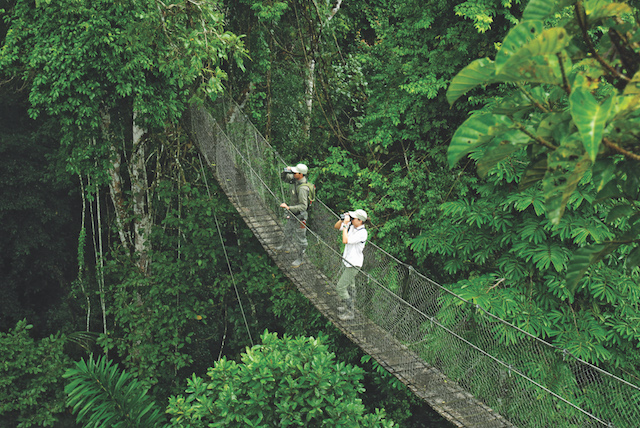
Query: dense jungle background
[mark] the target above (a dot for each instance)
(114, 235)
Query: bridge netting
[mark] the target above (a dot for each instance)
(528, 381)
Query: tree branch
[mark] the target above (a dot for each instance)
(579, 10)
(534, 137)
(533, 100)
(616, 148)
(565, 81)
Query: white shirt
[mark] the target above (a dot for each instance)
(356, 238)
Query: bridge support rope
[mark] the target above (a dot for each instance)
(436, 343)
(443, 395)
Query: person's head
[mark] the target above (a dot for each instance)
(299, 171)
(358, 217)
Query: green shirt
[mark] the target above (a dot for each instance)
(299, 197)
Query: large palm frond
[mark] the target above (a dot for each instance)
(102, 395)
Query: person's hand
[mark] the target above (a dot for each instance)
(285, 206)
(347, 219)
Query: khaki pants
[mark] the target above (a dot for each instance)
(295, 233)
(347, 282)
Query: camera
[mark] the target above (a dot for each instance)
(287, 175)
(342, 216)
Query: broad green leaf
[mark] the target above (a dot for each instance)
(603, 172)
(533, 174)
(619, 212)
(516, 103)
(529, 53)
(477, 73)
(633, 87)
(590, 118)
(548, 42)
(536, 69)
(555, 127)
(631, 187)
(541, 9)
(633, 259)
(610, 190)
(566, 167)
(598, 9)
(500, 148)
(582, 259)
(516, 39)
(477, 130)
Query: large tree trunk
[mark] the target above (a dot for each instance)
(308, 95)
(310, 81)
(115, 185)
(139, 186)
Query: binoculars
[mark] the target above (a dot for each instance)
(287, 175)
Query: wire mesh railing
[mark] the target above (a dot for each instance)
(527, 380)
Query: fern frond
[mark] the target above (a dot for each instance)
(104, 396)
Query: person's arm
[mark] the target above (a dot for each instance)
(345, 229)
(345, 235)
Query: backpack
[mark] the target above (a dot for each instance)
(312, 192)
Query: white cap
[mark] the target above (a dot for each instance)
(301, 168)
(359, 214)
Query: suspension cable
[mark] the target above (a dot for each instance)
(247, 163)
(224, 249)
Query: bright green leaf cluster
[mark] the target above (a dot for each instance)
(281, 382)
(31, 386)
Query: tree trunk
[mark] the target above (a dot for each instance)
(115, 185)
(139, 186)
(308, 95)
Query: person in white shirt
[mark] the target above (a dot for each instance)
(354, 238)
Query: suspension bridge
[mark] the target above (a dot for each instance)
(445, 349)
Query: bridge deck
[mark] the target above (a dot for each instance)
(443, 395)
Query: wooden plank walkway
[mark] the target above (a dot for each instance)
(446, 397)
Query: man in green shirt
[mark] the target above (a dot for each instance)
(295, 230)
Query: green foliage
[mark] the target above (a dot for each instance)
(507, 257)
(574, 111)
(155, 315)
(31, 386)
(482, 12)
(104, 396)
(284, 382)
(96, 66)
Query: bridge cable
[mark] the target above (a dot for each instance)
(224, 249)
(249, 167)
(418, 273)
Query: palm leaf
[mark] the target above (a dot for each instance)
(103, 396)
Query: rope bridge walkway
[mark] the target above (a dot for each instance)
(473, 368)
